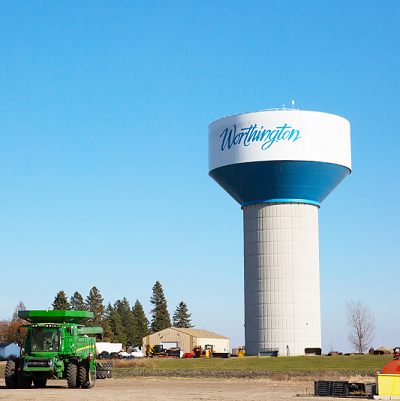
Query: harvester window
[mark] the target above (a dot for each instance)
(45, 339)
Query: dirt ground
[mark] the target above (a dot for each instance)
(168, 389)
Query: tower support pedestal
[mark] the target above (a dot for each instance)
(281, 278)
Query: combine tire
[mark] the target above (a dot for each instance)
(39, 383)
(101, 374)
(10, 374)
(72, 373)
(86, 377)
(23, 381)
(104, 370)
(109, 368)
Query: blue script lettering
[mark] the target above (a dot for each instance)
(252, 134)
(227, 140)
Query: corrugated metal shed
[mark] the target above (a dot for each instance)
(200, 333)
(187, 339)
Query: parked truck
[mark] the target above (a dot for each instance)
(58, 346)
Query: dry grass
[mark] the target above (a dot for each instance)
(322, 375)
(2, 367)
(132, 363)
(281, 377)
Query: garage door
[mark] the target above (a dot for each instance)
(170, 345)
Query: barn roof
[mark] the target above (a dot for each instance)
(199, 333)
(3, 345)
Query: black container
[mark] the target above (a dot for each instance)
(322, 388)
(340, 389)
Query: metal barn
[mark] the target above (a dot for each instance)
(187, 339)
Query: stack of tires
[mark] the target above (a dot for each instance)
(104, 370)
(104, 355)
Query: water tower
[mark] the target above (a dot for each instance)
(279, 165)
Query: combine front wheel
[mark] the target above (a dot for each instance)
(23, 381)
(10, 374)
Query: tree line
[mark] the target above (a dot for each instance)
(128, 325)
(121, 322)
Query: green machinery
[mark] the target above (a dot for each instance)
(58, 346)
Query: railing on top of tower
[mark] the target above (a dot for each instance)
(249, 112)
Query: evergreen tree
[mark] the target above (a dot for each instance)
(181, 317)
(161, 319)
(77, 302)
(61, 302)
(107, 332)
(112, 325)
(116, 325)
(141, 324)
(94, 302)
(126, 316)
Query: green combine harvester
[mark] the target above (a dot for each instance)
(57, 346)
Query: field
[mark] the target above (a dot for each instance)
(306, 367)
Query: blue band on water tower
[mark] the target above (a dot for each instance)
(280, 181)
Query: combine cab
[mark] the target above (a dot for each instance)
(58, 346)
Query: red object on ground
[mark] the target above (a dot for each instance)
(391, 368)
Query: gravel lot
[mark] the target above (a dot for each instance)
(168, 389)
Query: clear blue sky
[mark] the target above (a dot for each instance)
(104, 114)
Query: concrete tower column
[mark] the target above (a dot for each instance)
(281, 277)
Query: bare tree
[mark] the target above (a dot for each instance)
(361, 323)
